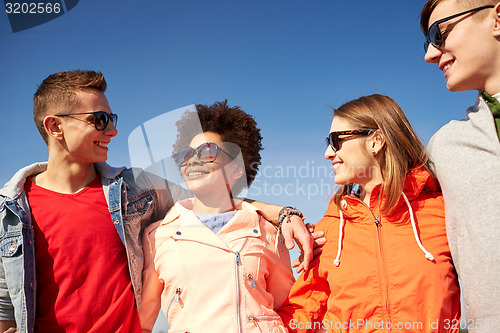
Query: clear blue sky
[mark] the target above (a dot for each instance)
(283, 61)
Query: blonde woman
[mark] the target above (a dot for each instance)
(386, 266)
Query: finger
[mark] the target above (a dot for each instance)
(319, 236)
(317, 251)
(311, 226)
(287, 231)
(300, 269)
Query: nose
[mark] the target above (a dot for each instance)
(433, 54)
(110, 130)
(194, 160)
(329, 153)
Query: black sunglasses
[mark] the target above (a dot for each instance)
(206, 152)
(334, 141)
(101, 118)
(434, 35)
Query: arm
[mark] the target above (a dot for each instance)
(293, 230)
(151, 284)
(7, 322)
(8, 326)
(280, 278)
(307, 301)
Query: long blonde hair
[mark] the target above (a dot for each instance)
(403, 150)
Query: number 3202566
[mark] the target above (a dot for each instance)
(32, 8)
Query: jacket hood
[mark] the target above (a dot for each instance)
(417, 181)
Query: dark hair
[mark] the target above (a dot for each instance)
(58, 91)
(233, 125)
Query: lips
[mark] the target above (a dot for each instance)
(446, 65)
(194, 174)
(336, 167)
(102, 144)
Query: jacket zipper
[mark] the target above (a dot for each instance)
(384, 273)
(253, 284)
(382, 262)
(255, 319)
(238, 287)
(176, 297)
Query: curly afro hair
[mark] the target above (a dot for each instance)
(233, 125)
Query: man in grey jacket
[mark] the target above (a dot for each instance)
(70, 229)
(463, 39)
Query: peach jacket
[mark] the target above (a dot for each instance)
(226, 282)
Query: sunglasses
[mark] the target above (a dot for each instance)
(334, 141)
(434, 35)
(101, 118)
(206, 152)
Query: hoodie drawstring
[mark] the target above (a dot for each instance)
(428, 255)
(341, 231)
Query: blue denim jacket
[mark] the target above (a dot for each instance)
(135, 199)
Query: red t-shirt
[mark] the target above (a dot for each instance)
(83, 281)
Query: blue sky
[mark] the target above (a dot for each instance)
(284, 61)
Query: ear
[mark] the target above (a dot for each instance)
(376, 142)
(53, 128)
(237, 172)
(496, 26)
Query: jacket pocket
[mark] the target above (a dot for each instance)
(140, 204)
(268, 323)
(11, 246)
(175, 303)
(258, 289)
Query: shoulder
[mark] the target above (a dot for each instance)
(15, 186)
(330, 218)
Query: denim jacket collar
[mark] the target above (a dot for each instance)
(14, 187)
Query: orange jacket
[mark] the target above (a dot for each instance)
(384, 282)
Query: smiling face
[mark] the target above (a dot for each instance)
(353, 162)
(211, 178)
(82, 142)
(469, 56)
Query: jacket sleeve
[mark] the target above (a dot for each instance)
(6, 306)
(151, 286)
(306, 302)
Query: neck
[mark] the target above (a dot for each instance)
(213, 203)
(370, 185)
(64, 176)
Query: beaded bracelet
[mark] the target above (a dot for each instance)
(285, 212)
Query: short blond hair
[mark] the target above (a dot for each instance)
(430, 5)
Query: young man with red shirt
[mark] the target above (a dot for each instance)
(70, 231)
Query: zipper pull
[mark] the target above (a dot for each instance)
(377, 222)
(177, 298)
(253, 320)
(238, 260)
(252, 281)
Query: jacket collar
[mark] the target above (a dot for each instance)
(15, 186)
(417, 181)
(184, 225)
